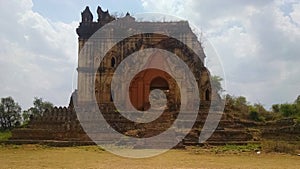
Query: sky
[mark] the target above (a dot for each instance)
(257, 43)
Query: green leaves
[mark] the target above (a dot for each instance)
(39, 107)
(288, 109)
(10, 113)
(216, 83)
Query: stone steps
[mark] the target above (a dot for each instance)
(62, 124)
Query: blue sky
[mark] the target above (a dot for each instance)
(257, 43)
(68, 11)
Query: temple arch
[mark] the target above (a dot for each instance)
(159, 83)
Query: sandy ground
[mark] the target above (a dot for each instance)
(32, 156)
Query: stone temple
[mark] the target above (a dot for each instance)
(62, 124)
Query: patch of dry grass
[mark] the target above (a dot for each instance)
(280, 147)
(33, 156)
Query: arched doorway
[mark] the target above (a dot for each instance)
(146, 81)
(159, 89)
(159, 83)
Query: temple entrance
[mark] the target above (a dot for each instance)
(159, 83)
(147, 81)
(159, 93)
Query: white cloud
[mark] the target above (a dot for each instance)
(295, 15)
(258, 43)
(37, 56)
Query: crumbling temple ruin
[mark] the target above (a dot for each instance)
(62, 124)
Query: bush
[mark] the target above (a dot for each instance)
(5, 135)
(258, 113)
(254, 115)
(288, 110)
(279, 147)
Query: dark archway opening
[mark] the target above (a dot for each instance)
(113, 62)
(207, 95)
(159, 83)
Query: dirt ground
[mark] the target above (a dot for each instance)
(34, 156)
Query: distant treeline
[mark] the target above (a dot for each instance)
(11, 114)
(239, 107)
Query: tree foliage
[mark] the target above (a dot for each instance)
(275, 108)
(10, 113)
(257, 112)
(288, 109)
(39, 107)
(216, 83)
(240, 108)
(297, 101)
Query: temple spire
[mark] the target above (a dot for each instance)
(103, 16)
(87, 15)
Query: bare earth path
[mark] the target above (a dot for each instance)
(32, 156)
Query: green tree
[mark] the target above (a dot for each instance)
(260, 108)
(216, 83)
(257, 112)
(253, 114)
(237, 106)
(229, 105)
(276, 108)
(241, 105)
(39, 107)
(297, 101)
(288, 110)
(10, 113)
(241, 101)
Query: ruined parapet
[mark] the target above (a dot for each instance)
(59, 123)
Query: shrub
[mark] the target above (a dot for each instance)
(5, 135)
(279, 147)
(254, 115)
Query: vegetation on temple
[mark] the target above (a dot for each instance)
(11, 114)
(239, 107)
(39, 107)
(288, 110)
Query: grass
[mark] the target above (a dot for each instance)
(5, 135)
(34, 156)
(227, 149)
(267, 146)
(281, 147)
(236, 148)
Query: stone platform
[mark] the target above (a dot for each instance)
(60, 126)
(59, 123)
